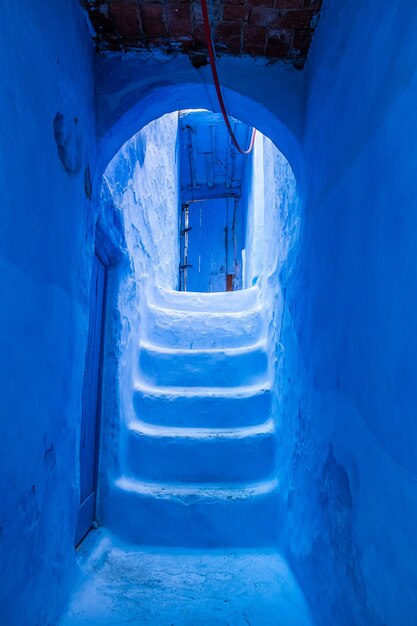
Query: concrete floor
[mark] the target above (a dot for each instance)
(121, 584)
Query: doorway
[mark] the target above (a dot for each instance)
(91, 396)
(211, 172)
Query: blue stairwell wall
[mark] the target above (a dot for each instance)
(353, 470)
(46, 252)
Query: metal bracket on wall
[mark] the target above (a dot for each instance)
(184, 265)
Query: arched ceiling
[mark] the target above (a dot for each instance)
(274, 29)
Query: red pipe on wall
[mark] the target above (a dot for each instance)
(210, 48)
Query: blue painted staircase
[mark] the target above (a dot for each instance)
(199, 451)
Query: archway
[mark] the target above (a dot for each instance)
(146, 281)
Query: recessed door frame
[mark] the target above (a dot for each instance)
(87, 507)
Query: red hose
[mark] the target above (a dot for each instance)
(209, 40)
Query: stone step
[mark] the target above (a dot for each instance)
(174, 367)
(241, 300)
(201, 516)
(227, 407)
(200, 455)
(202, 329)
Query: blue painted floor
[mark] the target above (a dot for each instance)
(120, 584)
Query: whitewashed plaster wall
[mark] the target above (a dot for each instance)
(141, 195)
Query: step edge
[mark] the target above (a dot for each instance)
(253, 290)
(238, 392)
(141, 428)
(181, 313)
(150, 348)
(202, 491)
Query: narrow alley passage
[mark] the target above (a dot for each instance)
(193, 492)
(208, 337)
(198, 474)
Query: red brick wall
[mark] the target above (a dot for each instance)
(278, 29)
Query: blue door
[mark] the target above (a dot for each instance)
(91, 402)
(206, 236)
